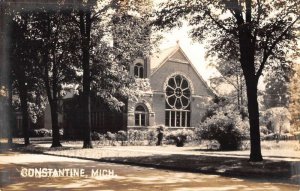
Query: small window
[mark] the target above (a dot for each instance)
(140, 116)
(139, 70)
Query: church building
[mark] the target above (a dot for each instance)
(178, 97)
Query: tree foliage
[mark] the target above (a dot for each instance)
(104, 67)
(65, 42)
(49, 41)
(230, 76)
(24, 74)
(276, 92)
(278, 120)
(58, 60)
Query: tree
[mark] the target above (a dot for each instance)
(264, 33)
(278, 120)
(105, 69)
(228, 66)
(22, 56)
(276, 92)
(85, 15)
(230, 75)
(51, 26)
(5, 77)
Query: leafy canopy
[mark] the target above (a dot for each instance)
(273, 27)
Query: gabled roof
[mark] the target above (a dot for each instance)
(159, 57)
(157, 60)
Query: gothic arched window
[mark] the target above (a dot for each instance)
(139, 70)
(141, 116)
(178, 98)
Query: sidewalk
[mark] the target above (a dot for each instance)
(275, 168)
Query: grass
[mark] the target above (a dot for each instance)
(281, 145)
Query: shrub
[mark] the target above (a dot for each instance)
(139, 135)
(131, 135)
(95, 136)
(151, 136)
(228, 130)
(61, 132)
(180, 137)
(122, 136)
(40, 133)
(111, 137)
(135, 136)
(264, 130)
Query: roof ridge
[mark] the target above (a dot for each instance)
(160, 56)
(159, 51)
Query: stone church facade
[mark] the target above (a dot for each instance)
(178, 96)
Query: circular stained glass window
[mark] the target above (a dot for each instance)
(178, 93)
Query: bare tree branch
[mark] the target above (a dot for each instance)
(248, 11)
(268, 52)
(220, 25)
(237, 13)
(259, 12)
(104, 9)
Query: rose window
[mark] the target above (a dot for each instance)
(178, 96)
(178, 93)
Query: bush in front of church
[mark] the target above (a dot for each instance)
(151, 135)
(122, 136)
(226, 128)
(135, 137)
(40, 132)
(180, 137)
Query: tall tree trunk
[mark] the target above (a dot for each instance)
(51, 88)
(247, 50)
(87, 140)
(238, 92)
(24, 109)
(55, 127)
(54, 104)
(11, 113)
(255, 153)
(86, 102)
(241, 91)
(85, 29)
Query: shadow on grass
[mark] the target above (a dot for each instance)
(268, 170)
(226, 166)
(32, 148)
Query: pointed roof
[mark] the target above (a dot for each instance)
(158, 59)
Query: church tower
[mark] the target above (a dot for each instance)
(131, 35)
